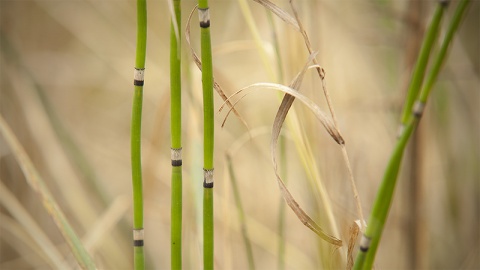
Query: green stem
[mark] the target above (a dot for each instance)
(176, 137)
(208, 135)
(373, 233)
(241, 214)
(136, 128)
(421, 64)
(438, 62)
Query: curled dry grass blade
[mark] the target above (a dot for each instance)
(197, 61)
(51, 206)
(297, 25)
(291, 94)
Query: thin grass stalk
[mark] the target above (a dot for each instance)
(136, 128)
(208, 134)
(241, 214)
(438, 62)
(422, 61)
(14, 207)
(176, 137)
(283, 156)
(372, 236)
(51, 206)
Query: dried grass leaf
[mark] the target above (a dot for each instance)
(277, 126)
(283, 15)
(353, 232)
(216, 86)
(291, 93)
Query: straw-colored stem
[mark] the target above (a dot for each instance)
(51, 206)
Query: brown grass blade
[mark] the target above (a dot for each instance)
(283, 15)
(277, 126)
(353, 232)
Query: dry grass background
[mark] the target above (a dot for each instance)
(80, 54)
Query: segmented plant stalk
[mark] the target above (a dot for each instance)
(208, 133)
(421, 64)
(139, 259)
(176, 137)
(371, 238)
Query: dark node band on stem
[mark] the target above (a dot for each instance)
(208, 178)
(204, 17)
(207, 185)
(418, 108)
(176, 156)
(365, 243)
(176, 163)
(138, 243)
(138, 76)
(138, 237)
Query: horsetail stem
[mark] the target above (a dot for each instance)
(176, 137)
(422, 61)
(136, 126)
(208, 133)
(371, 238)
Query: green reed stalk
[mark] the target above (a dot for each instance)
(241, 214)
(208, 133)
(136, 128)
(373, 233)
(422, 61)
(176, 137)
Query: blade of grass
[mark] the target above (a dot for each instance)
(49, 203)
(15, 208)
(176, 137)
(372, 236)
(241, 214)
(136, 131)
(208, 134)
(286, 104)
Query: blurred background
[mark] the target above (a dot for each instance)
(66, 91)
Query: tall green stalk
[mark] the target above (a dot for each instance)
(373, 233)
(422, 60)
(208, 133)
(176, 137)
(136, 128)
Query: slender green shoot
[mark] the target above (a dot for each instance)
(241, 214)
(51, 206)
(373, 233)
(176, 137)
(208, 133)
(438, 62)
(422, 61)
(136, 128)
